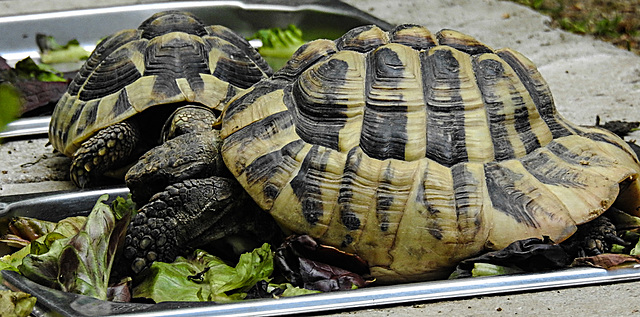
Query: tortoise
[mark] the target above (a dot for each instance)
(121, 101)
(412, 150)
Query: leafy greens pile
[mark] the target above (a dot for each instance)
(278, 44)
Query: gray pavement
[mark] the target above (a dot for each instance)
(587, 78)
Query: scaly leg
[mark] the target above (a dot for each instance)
(109, 149)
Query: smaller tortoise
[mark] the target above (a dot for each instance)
(119, 103)
(414, 151)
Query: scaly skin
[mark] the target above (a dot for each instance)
(188, 156)
(191, 214)
(107, 150)
(188, 119)
(593, 238)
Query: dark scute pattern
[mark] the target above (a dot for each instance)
(236, 67)
(506, 198)
(464, 184)
(246, 100)
(91, 111)
(544, 169)
(345, 195)
(114, 73)
(418, 40)
(176, 59)
(523, 127)
(543, 101)
(171, 21)
(360, 39)
(302, 59)
(487, 73)
(244, 46)
(320, 123)
(265, 167)
(446, 142)
(264, 129)
(432, 215)
(307, 188)
(384, 198)
(122, 104)
(102, 50)
(471, 47)
(384, 124)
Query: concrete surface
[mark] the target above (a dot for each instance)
(586, 76)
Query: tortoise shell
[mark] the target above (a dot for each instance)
(171, 58)
(416, 150)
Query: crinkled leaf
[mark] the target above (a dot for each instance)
(28, 69)
(123, 206)
(487, 269)
(30, 228)
(607, 261)
(120, 291)
(305, 263)
(64, 228)
(9, 263)
(623, 220)
(16, 304)
(279, 44)
(80, 263)
(291, 290)
(51, 52)
(27, 87)
(264, 289)
(529, 255)
(205, 277)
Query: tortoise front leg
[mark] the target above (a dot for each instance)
(192, 214)
(109, 149)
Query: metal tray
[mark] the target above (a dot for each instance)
(317, 18)
(57, 205)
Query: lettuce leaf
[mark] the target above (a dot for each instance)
(80, 263)
(278, 44)
(17, 304)
(11, 104)
(204, 277)
(51, 231)
(51, 52)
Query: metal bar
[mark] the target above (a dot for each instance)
(408, 293)
(26, 127)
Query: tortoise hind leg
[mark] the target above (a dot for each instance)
(593, 238)
(109, 149)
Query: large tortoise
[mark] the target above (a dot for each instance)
(413, 151)
(120, 100)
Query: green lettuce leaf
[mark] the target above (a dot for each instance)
(80, 263)
(278, 44)
(28, 69)
(51, 52)
(204, 277)
(10, 105)
(16, 304)
(64, 228)
(290, 290)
